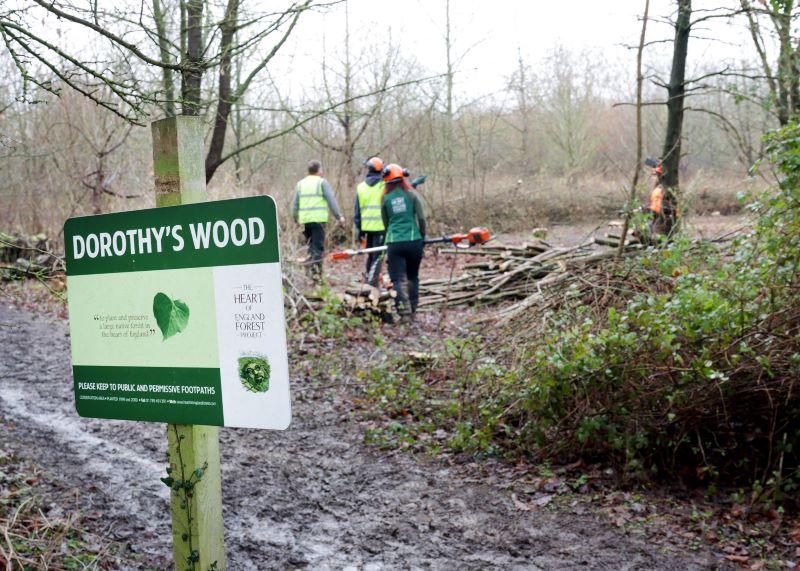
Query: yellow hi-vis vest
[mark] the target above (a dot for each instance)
(369, 204)
(312, 206)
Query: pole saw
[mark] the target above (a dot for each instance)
(475, 237)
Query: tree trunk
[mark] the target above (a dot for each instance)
(163, 48)
(524, 109)
(227, 29)
(192, 74)
(777, 89)
(237, 123)
(638, 168)
(448, 127)
(182, 7)
(788, 81)
(676, 91)
(97, 190)
(347, 120)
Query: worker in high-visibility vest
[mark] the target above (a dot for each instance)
(313, 198)
(367, 220)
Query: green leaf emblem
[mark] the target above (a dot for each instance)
(172, 316)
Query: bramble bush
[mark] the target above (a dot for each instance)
(681, 362)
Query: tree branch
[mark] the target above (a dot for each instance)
(50, 7)
(320, 112)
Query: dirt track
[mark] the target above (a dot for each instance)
(311, 497)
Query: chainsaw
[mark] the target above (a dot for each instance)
(475, 237)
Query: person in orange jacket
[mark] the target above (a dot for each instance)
(662, 208)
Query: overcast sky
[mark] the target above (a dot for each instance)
(488, 34)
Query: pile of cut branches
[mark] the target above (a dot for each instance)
(499, 273)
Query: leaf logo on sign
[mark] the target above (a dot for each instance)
(172, 315)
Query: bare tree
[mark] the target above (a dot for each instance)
(200, 46)
(449, 139)
(676, 91)
(519, 84)
(570, 109)
(638, 165)
(782, 77)
(159, 18)
(376, 77)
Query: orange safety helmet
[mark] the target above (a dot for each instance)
(375, 164)
(393, 173)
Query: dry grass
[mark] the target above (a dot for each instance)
(516, 205)
(35, 533)
(504, 203)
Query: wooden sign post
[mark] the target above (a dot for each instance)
(176, 316)
(196, 504)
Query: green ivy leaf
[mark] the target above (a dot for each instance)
(172, 316)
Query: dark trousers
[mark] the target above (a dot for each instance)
(315, 238)
(375, 259)
(404, 259)
(662, 224)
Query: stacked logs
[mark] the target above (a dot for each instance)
(510, 273)
(364, 298)
(26, 256)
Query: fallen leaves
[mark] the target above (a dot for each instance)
(533, 504)
(794, 534)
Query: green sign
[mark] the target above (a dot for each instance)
(176, 315)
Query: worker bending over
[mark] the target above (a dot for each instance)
(368, 220)
(313, 198)
(404, 219)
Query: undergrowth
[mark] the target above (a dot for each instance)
(35, 534)
(682, 362)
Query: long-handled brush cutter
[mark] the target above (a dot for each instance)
(474, 237)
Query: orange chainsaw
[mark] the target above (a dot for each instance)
(475, 237)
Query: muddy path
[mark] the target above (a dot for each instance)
(311, 497)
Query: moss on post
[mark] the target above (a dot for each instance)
(194, 474)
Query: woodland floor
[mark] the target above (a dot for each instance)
(314, 496)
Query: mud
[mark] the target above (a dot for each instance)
(311, 497)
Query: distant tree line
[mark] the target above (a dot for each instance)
(565, 116)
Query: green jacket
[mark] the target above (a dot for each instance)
(403, 216)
